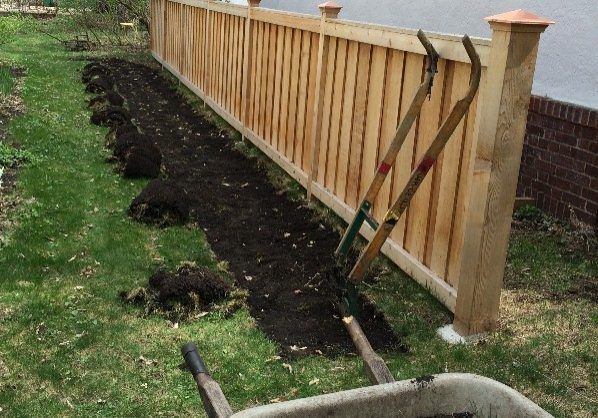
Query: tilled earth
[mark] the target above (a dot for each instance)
(273, 246)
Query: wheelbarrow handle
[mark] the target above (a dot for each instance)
(193, 359)
(214, 401)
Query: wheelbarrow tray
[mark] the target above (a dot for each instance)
(442, 394)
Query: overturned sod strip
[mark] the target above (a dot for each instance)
(189, 292)
(273, 246)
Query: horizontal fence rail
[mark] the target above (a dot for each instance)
(322, 97)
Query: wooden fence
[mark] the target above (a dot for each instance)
(322, 97)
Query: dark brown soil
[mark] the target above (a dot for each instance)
(273, 246)
(161, 203)
(186, 290)
(100, 84)
(111, 116)
(118, 131)
(141, 162)
(110, 97)
(92, 70)
(187, 280)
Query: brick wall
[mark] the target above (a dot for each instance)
(559, 165)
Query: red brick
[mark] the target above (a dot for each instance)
(566, 139)
(588, 145)
(563, 112)
(544, 106)
(591, 170)
(590, 194)
(576, 117)
(583, 155)
(576, 201)
(553, 147)
(534, 130)
(585, 117)
(586, 132)
(567, 128)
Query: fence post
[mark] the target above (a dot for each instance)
(500, 129)
(328, 10)
(247, 56)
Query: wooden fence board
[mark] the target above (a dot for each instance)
(391, 107)
(336, 112)
(327, 108)
(419, 208)
(277, 91)
(342, 165)
(413, 70)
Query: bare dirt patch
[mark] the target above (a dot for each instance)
(10, 106)
(274, 247)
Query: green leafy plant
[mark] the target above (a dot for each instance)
(10, 156)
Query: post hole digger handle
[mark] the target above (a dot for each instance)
(422, 168)
(362, 213)
(433, 58)
(214, 401)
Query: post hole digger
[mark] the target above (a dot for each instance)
(374, 365)
(214, 400)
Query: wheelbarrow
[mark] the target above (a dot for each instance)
(443, 395)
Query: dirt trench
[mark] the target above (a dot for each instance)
(273, 246)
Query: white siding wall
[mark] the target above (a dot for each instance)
(567, 66)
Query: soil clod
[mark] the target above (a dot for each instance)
(117, 131)
(111, 116)
(109, 98)
(100, 84)
(190, 289)
(92, 70)
(142, 162)
(161, 203)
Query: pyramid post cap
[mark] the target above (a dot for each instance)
(330, 6)
(253, 3)
(520, 17)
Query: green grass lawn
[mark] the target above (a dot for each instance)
(70, 347)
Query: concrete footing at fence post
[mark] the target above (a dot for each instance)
(451, 336)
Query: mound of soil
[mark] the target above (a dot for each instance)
(111, 116)
(161, 203)
(100, 84)
(118, 131)
(179, 287)
(126, 140)
(92, 70)
(109, 98)
(274, 247)
(187, 290)
(142, 162)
